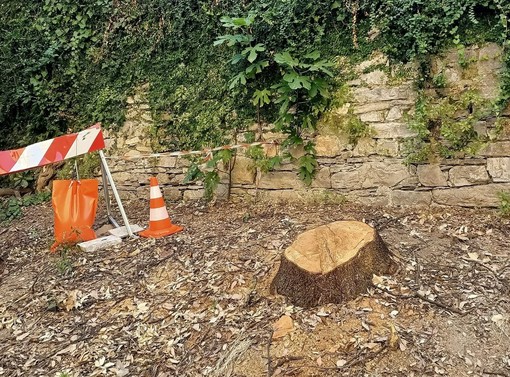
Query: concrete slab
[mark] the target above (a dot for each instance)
(99, 243)
(103, 231)
(122, 231)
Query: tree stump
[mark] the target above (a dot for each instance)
(331, 264)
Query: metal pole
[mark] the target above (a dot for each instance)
(107, 198)
(115, 193)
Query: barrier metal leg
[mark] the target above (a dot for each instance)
(106, 170)
(107, 198)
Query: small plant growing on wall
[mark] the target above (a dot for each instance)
(445, 126)
(295, 83)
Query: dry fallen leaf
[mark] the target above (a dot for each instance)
(376, 280)
(393, 340)
(282, 327)
(71, 301)
(340, 363)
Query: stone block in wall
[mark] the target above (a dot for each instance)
(177, 179)
(270, 150)
(183, 163)
(496, 149)
(330, 145)
(280, 180)
(410, 198)
(499, 169)
(481, 129)
(374, 116)
(287, 166)
(377, 58)
(166, 162)
(382, 106)
(506, 111)
(143, 149)
(395, 113)
(322, 178)
(374, 78)
(132, 153)
(502, 132)
(244, 171)
(196, 194)
(471, 196)
(172, 194)
(468, 175)
(346, 179)
(387, 147)
(387, 173)
(164, 178)
(366, 95)
(123, 177)
(432, 175)
(364, 147)
(241, 195)
(392, 130)
(297, 151)
(132, 141)
(143, 178)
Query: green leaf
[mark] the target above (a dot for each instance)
(314, 55)
(261, 97)
(257, 67)
(211, 181)
(239, 79)
(286, 59)
(322, 66)
(321, 86)
(297, 81)
(253, 51)
(236, 58)
(193, 174)
(232, 40)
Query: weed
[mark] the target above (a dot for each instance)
(504, 204)
(64, 264)
(439, 80)
(10, 209)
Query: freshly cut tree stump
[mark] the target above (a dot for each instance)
(331, 264)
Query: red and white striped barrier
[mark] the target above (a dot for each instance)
(53, 150)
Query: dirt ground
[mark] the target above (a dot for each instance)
(197, 303)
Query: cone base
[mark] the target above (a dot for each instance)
(148, 233)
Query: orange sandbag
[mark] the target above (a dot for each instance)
(74, 206)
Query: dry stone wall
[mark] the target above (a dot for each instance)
(373, 169)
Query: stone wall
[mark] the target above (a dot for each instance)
(370, 171)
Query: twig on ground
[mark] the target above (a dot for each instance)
(286, 359)
(368, 356)
(269, 366)
(480, 263)
(422, 297)
(495, 373)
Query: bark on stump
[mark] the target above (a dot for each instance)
(331, 264)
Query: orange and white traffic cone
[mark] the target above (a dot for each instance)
(159, 223)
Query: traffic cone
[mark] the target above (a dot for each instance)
(159, 223)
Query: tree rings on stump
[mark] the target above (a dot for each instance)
(331, 264)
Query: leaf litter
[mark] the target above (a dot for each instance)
(198, 302)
